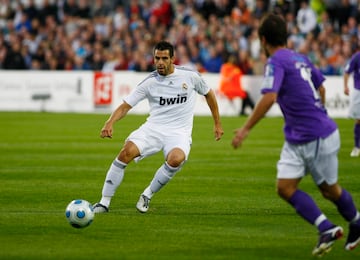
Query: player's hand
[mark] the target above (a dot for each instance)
(106, 131)
(240, 135)
(218, 133)
(346, 91)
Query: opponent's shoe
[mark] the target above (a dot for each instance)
(326, 239)
(355, 152)
(143, 204)
(100, 208)
(353, 238)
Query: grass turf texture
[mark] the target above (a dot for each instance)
(222, 205)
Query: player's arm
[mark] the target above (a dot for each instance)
(346, 83)
(213, 105)
(118, 113)
(321, 90)
(261, 108)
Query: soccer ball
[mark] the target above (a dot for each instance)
(79, 213)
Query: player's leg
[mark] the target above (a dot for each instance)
(166, 172)
(176, 151)
(291, 168)
(356, 150)
(346, 207)
(163, 175)
(326, 165)
(304, 205)
(354, 112)
(115, 175)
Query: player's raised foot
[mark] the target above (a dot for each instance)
(326, 239)
(100, 208)
(353, 238)
(355, 152)
(143, 204)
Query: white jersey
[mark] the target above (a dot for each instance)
(171, 98)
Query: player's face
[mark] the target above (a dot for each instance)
(163, 62)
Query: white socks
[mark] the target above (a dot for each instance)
(162, 176)
(115, 176)
(113, 179)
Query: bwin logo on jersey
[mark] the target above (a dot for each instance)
(171, 101)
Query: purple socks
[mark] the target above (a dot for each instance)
(306, 207)
(357, 135)
(346, 207)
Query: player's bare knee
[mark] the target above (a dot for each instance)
(175, 163)
(127, 154)
(329, 195)
(281, 192)
(326, 195)
(284, 192)
(175, 158)
(330, 192)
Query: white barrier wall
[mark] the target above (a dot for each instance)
(48, 91)
(70, 91)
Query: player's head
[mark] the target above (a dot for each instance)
(164, 58)
(272, 31)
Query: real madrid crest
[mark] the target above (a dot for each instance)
(184, 86)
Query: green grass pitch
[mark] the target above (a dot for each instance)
(222, 205)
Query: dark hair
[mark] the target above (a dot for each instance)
(273, 29)
(163, 45)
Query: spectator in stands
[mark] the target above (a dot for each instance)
(245, 63)
(346, 10)
(110, 61)
(80, 63)
(84, 11)
(24, 24)
(120, 19)
(306, 18)
(214, 62)
(326, 68)
(260, 9)
(206, 8)
(162, 12)
(332, 7)
(335, 57)
(100, 8)
(48, 9)
(6, 12)
(129, 24)
(13, 58)
(241, 14)
(31, 10)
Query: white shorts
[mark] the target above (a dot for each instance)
(319, 158)
(354, 111)
(152, 139)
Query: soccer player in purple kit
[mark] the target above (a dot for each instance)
(312, 139)
(353, 67)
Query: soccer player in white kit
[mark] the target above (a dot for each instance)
(171, 92)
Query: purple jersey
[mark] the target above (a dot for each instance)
(295, 80)
(353, 66)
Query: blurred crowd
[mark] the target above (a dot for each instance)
(111, 35)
